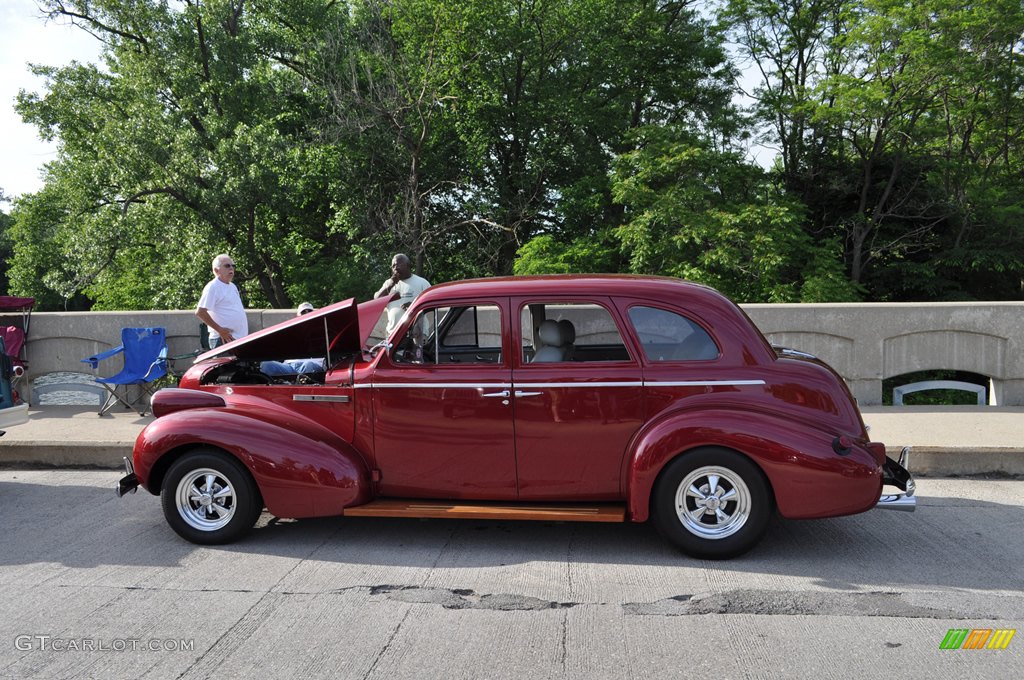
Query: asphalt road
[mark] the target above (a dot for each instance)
(98, 587)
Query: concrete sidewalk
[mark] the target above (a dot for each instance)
(954, 440)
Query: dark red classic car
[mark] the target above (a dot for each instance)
(582, 398)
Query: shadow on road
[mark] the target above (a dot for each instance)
(948, 542)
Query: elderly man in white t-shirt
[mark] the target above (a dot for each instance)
(220, 306)
(406, 284)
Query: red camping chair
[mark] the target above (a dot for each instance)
(14, 335)
(14, 343)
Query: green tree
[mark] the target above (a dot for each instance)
(897, 124)
(707, 216)
(5, 245)
(194, 137)
(552, 92)
(388, 74)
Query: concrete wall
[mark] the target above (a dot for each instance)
(865, 343)
(57, 341)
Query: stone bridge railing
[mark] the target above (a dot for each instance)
(865, 343)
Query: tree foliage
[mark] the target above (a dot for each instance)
(312, 139)
(896, 122)
(5, 244)
(194, 137)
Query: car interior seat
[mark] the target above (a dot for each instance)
(568, 338)
(550, 343)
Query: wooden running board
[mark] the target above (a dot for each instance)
(394, 507)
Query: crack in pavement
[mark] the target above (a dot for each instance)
(460, 598)
(787, 603)
(738, 601)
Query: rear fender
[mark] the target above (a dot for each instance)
(807, 478)
(301, 469)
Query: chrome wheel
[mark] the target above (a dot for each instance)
(713, 502)
(205, 499)
(209, 497)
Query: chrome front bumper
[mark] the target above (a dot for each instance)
(896, 473)
(129, 483)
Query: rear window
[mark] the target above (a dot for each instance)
(668, 336)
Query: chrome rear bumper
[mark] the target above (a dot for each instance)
(896, 473)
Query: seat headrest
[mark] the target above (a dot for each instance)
(568, 331)
(550, 333)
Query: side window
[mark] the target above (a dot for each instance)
(576, 332)
(667, 336)
(474, 327)
(452, 335)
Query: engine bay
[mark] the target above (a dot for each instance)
(252, 373)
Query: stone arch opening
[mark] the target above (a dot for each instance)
(66, 388)
(937, 388)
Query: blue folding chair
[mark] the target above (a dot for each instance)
(145, 360)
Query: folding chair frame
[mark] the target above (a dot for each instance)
(146, 387)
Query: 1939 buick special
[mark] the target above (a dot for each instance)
(579, 398)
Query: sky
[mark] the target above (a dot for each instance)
(25, 37)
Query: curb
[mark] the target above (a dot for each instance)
(65, 455)
(930, 461)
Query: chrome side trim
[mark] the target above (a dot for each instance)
(539, 385)
(898, 501)
(793, 352)
(342, 399)
(443, 386)
(542, 385)
(701, 383)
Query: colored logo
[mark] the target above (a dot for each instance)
(978, 638)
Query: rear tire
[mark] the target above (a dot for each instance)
(712, 503)
(209, 498)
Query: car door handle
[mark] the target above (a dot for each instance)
(500, 395)
(520, 393)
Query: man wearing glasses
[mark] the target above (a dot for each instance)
(220, 306)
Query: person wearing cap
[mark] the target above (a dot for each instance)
(294, 366)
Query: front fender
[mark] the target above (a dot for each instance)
(807, 477)
(301, 468)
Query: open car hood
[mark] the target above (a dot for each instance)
(329, 332)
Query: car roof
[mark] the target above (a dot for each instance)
(619, 285)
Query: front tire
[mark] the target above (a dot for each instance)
(209, 498)
(712, 503)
